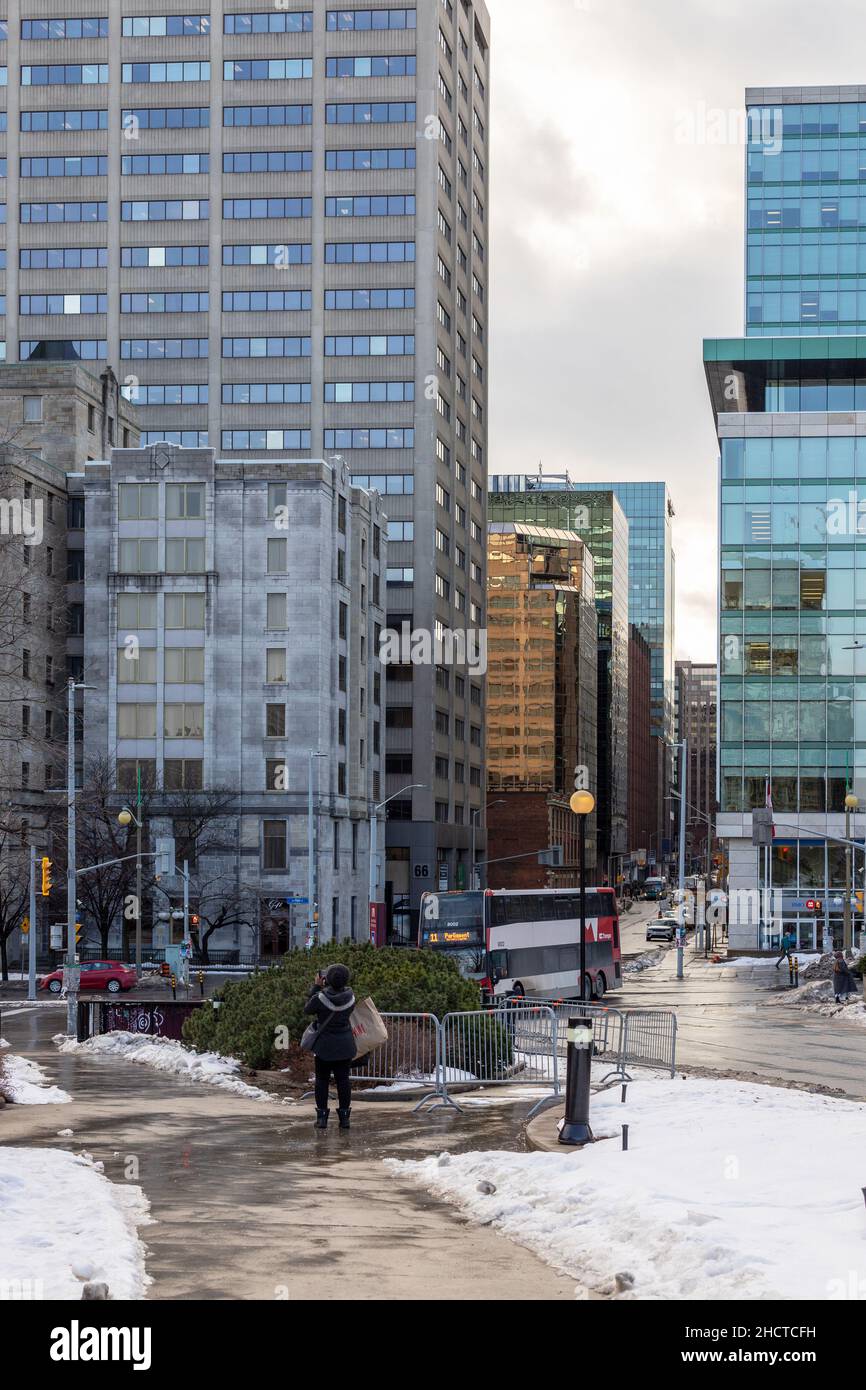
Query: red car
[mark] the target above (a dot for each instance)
(112, 975)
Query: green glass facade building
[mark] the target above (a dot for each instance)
(790, 406)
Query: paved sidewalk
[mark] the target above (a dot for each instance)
(250, 1203)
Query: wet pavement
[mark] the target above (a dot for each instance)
(250, 1202)
(725, 1023)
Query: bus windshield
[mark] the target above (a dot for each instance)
(454, 923)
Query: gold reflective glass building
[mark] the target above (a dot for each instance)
(542, 683)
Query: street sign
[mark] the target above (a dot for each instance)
(296, 902)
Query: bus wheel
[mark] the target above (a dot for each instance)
(600, 986)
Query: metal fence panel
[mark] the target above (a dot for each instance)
(516, 1045)
(651, 1038)
(411, 1054)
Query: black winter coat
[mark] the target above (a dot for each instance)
(843, 979)
(336, 1043)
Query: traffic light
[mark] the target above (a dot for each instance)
(46, 876)
(25, 926)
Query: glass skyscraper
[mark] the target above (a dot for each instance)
(790, 405)
(651, 587)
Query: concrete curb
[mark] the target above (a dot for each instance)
(542, 1135)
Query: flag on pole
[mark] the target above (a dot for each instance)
(768, 803)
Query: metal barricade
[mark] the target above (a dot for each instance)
(499, 1047)
(624, 1037)
(650, 1038)
(411, 1058)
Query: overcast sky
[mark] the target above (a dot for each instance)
(618, 235)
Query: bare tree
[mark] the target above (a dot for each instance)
(103, 893)
(222, 903)
(14, 890)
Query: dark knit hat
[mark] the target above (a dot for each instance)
(337, 976)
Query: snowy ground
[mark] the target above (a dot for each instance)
(65, 1224)
(24, 1082)
(163, 1054)
(817, 997)
(728, 1190)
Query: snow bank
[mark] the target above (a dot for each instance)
(817, 997)
(164, 1054)
(642, 962)
(64, 1224)
(728, 1191)
(25, 1083)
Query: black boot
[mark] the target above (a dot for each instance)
(322, 1119)
(344, 1117)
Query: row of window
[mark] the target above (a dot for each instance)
(277, 440)
(366, 438)
(272, 254)
(198, 25)
(276, 393)
(136, 119)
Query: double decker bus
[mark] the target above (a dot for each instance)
(526, 942)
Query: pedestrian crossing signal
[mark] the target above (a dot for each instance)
(46, 877)
(25, 926)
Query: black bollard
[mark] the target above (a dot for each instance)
(624, 1138)
(574, 1127)
(622, 1097)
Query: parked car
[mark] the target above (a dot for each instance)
(111, 975)
(662, 929)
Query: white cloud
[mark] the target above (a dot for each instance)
(618, 243)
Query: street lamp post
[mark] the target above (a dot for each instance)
(851, 804)
(312, 865)
(583, 805)
(374, 850)
(72, 975)
(128, 817)
(473, 818)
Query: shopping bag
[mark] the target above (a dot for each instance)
(368, 1028)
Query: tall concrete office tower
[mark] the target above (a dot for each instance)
(273, 222)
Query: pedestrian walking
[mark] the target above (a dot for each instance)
(789, 941)
(331, 1002)
(844, 981)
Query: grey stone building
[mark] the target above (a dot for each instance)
(53, 417)
(232, 618)
(276, 219)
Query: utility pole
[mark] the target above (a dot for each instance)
(684, 788)
(72, 973)
(851, 804)
(312, 866)
(31, 935)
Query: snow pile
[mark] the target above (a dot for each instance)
(640, 963)
(721, 1194)
(818, 998)
(818, 968)
(25, 1083)
(164, 1054)
(65, 1224)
